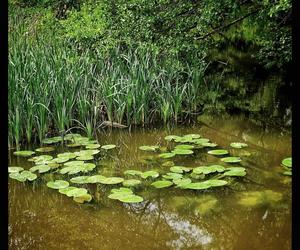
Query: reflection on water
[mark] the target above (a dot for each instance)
(41, 218)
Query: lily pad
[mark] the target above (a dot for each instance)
(194, 136)
(172, 176)
(76, 192)
(161, 184)
(235, 171)
(52, 140)
(184, 146)
(67, 189)
(131, 198)
(166, 155)
(60, 160)
(182, 182)
(122, 190)
(172, 137)
(85, 158)
(205, 184)
(83, 198)
(15, 169)
(25, 153)
(287, 162)
(68, 155)
(131, 183)
(40, 168)
(200, 141)
(96, 178)
(179, 169)
(238, 145)
(58, 184)
(232, 159)
(149, 148)
(80, 179)
(23, 176)
(45, 149)
(287, 173)
(111, 180)
(218, 152)
(109, 146)
(41, 159)
(151, 173)
(132, 172)
(208, 169)
(92, 146)
(182, 151)
(73, 145)
(209, 144)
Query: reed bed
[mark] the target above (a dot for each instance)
(53, 87)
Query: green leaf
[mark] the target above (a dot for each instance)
(80, 179)
(151, 173)
(132, 172)
(83, 198)
(45, 149)
(287, 162)
(58, 184)
(172, 176)
(231, 159)
(149, 148)
(182, 151)
(131, 183)
(111, 180)
(238, 145)
(92, 146)
(166, 155)
(109, 146)
(15, 169)
(24, 153)
(179, 169)
(218, 152)
(161, 184)
(208, 169)
(235, 171)
(40, 168)
(184, 146)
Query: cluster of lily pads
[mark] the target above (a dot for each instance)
(72, 163)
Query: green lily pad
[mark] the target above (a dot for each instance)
(23, 176)
(172, 137)
(182, 151)
(131, 198)
(85, 158)
(58, 184)
(238, 145)
(231, 159)
(41, 159)
(205, 184)
(184, 146)
(15, 169)
(83, 198)
(60, 160)
(166, 155)
(194, 136)
(73, 163)
(87, 152)
(179, 169)
(92, 146)
(200, 141)
(73, 145)
(235, 171)
(96, 178)
(287, 173)
(45, 149)
(209, 144)
(76, 192)
(68, 155)
(161, 184)
(40, 168)
(52, 140)
(172, 176)
(124, 195)
(24, 153)
(131, 183)
(111, 180)
(181, 182)
(109, 146)
(151, 173)
(184, 139)
(218, 152)
(149, 148)
(168, 164)
(80, 179)
(287, 162)
(67, 189)
(122, 190)
(132, 172)
(208, 169)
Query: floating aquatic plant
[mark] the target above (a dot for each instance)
(200, 141)
(218, 152)
(92, 146)
(149, 148)
(131, 183)
(15, 169)
(172, 137)
(232, 159)
(83, 198)
(151, 173)
(80, 179)
(109, 146)
(125, 195)
(25, 153)
(179, 169)
(133, 172)
(45, 149)
(57, 184)
(209, 144)
(238, 145)
(287, 162)
(23, 176)
(68, 155)
(181, 182)
(161, 184)
(166, 155)
(111, 180)
(208, 169)
(40, 168)
(205, 184)
(96, 178)
(41, 159)
(172, 176)
(85, 158)
(235, 171)
(177, 151)
(184, 146)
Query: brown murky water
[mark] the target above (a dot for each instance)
(42, 218)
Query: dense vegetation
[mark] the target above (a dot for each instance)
(76, 63)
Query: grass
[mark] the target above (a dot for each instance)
(53, 87)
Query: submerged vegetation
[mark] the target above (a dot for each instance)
(78, 64)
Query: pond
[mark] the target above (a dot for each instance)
(252, 211)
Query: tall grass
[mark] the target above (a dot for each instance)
(53, 87)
